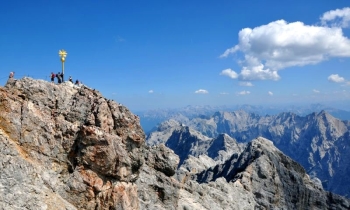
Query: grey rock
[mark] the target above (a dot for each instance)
(162, 159)
(68, 147)
(186, 141)
(276, 181)
(318, 141)
(65, 141)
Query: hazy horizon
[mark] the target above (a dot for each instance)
(341, 106)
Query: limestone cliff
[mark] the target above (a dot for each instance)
(68, 147)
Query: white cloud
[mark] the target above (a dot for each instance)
(230, 73)
(316, 91)
(336, 78)
(150, 91)
(258, 73)
(229, 51)
(278, 45)
(270, 93)
(247, 84)
(244, 92)
(201, 91)
(338, 17)
(223, 93)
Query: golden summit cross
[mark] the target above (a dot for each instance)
(63, 54)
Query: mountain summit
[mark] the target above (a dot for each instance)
(68, 147)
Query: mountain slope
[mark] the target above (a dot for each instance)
(68, 147)
(318, 141)
(277, 181)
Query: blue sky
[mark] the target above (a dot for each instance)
(167, 54)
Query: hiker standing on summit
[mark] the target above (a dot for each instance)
(11, 74)
(59, 78)
(62, 76)
(52, 77)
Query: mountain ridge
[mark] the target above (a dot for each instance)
(68, 147)
(151, 118)
(319, 141)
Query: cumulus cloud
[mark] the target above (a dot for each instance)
(230, 73)
(201, 91)
(316, 91)
(270, 93)
(338, 17)
(150, 91)
(270, 48)
(244, 92)
(247, 84)
(336, 78)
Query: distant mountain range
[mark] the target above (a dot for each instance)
(318, 141)
(151, 118)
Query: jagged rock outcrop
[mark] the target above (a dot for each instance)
(68, 147)
(162, 159)
(163, 132)
(186, 142)
(318, 141)
(196, 151)
(275, 180)
(81, 147)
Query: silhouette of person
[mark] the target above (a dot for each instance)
(12, 74)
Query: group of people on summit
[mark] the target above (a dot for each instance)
(60, 79)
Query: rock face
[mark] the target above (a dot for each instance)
(186, 141)
(73, 144)
(67, 147)
(260, 170)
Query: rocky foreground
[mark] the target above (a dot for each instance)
(67, 147)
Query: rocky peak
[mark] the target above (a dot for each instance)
(223, 146)
(275, 179)
(84, 150)
(167, 125)
(186, 141)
